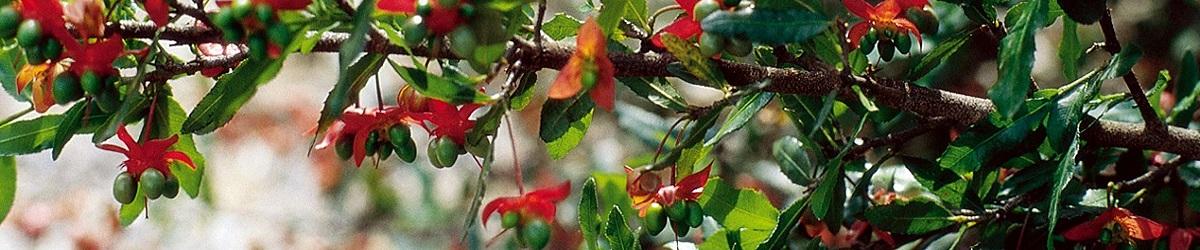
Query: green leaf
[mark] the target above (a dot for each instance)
(1069, 49)
(657, 90)
(968, 157)
(1016, 59)
(749, 210)
(8, 184)
(618, 233)
(28, 136)
(916, 216)
(793, 160)
(1155, 93)
(11, 61)
(73, 123)
(589, 218)
(611, 13)
(345, 92)
(564, 123)
(699, 66)
(358, 36)
(636, 13)
(229, 94)
(130, 212)
(169, 118)
(949, 187)
(784, 225)
(1062, 175)
(133, 105)
(561, 26)
(456, 90)
(1186, 92)
(766, 25)
(943, 51)
(830, 196)
(1065, 115)
(745, 109)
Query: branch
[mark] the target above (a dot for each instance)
(898, 94)
(897, 138)
(1153, 176)
(1113, 46)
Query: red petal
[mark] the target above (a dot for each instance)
(545, 210)
(181, 157)
(400, 6)
(500, 205)
(289, 4)
(685, 28)
(1181, 239)
(158, 12)
(360, 146)
(886, 10)
(567, 84)
(123, 134)
(552, 194)
(113, 148)
(905, 4)
(857, 32)
(909, 27)
(1141, 228)
(859, 8)
(1091, 229)
(693, 185)
(604, 91)
(688, 6)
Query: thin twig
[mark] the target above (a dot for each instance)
(16, 116)
(1113, 46)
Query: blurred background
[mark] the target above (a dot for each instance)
(263, 190)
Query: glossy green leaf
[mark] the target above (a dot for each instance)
(1187, 89)
(1016, 59)
(793, 160)
(8, 184)
(345, 92)
(784, 225)
(745, 110)
(1155, 93)
(769, 26)
(1065, 115)
(358, 36)
(76, 120)
(589, 218)
(130, 212)
(699, 66)
(131, 107)
(618, 233)
(940, 54)
(561, 26)
(28, 136)
(169, 117)
(11, 61)
(740, 208)
(454, 90)
(637, 14)
(950, 188)
(916, 216)
(564, 123)
(229, 94)
(1062, 175)
(1069, 49)
(611, 13)
(968, 158)
(658, 91)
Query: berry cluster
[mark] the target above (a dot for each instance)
(152, 183)
(382, 142)
(683, 216)
(533, 233)
(30, 36)
(713, 44)
(438, 18)
(257, 25)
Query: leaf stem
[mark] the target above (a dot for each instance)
(512, 142)
(1113, 46)
(15, 116)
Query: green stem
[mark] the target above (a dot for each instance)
(14, 117)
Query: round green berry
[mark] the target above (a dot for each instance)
(124, 188)
(711, 44)
(152, 182)
(66, 88)
(414, 30)
(29, 34)
(10, 19)
(463, 42)
(170, 188)
(695, 214)
(401, 139)
(655, 220)
(704, 8)
(510, 220)
(536, 234)
(345, 147)
(443, 152)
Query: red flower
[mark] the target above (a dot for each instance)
(539, 203)
(590, 57)
(96, 57)
(647, 188)
(448, 120)
(149, 154)
(398, 6)
(48, 13)
(285, 4)
(685, 27)
(157, 9)
(885, 16)
(441, 19)
(359, 123)
(1129, 225)
(1181, 238)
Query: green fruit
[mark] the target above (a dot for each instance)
(52, 49)
(264, 13)
(867, 43)
(739, 48)
(384, 151)
(372, 143)
(588, 78)
(677, 211)
(241, 8)
(91, 83)
(414, 31)
(711, 44)
(34, 54)
(886, 49)
(401, 140)
(10, 19)
(152, 182)
(903, 44)
(29, 34)
(279, 34)
(108, 101)
(424, 8)
(680, 227)
(704, 8)
(258, 47)
(925, 20)
(510, 220)
(66, 88)
(463, 42)
(733, 2)
(447, 3)
(345, 147)
(443, 152)
(654, 221)
(466, 10)
(171, 188)
(124, 188)
(536, 234)
(695, 214)
(230, 29)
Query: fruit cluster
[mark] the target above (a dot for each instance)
(30, 36)
(891, 40)
(382, 143)
(255, 24)
(438, 18)
(713, 44)
(151, 183)
(532, 232)
(683, 215)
